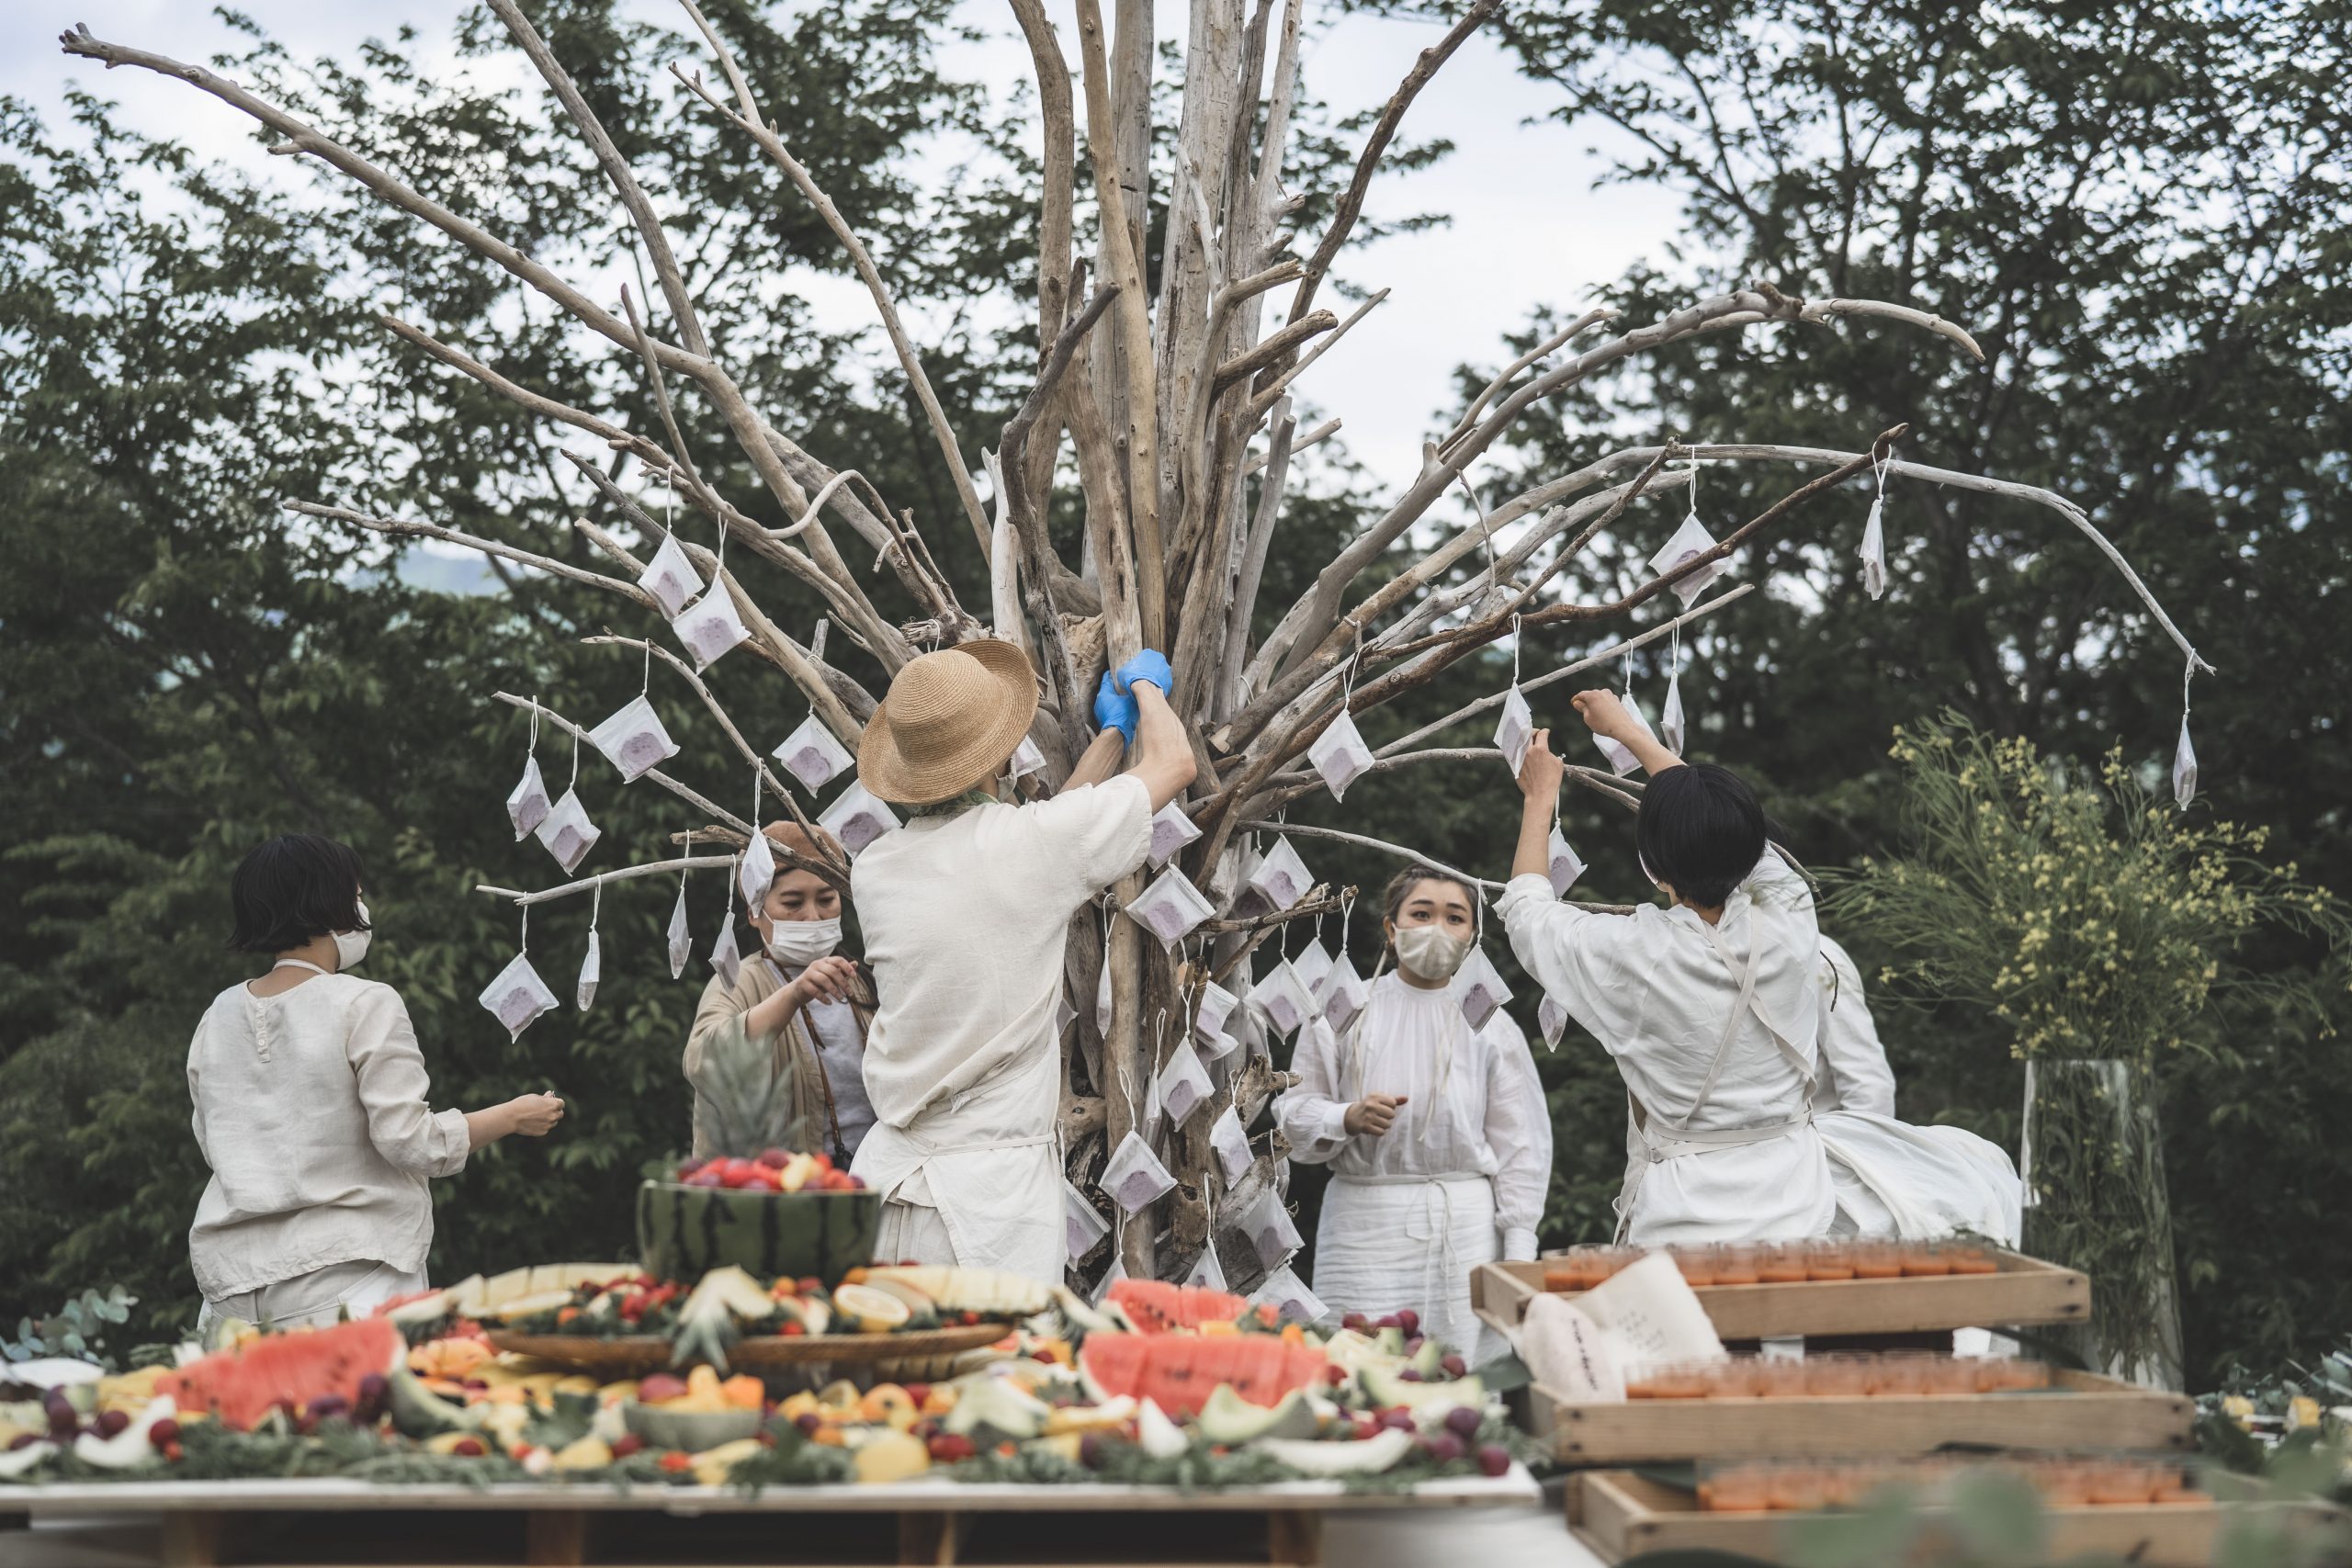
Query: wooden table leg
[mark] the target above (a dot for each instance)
(1295, 1538)
(931, 1539)
(555, 1538)
(190, 1541)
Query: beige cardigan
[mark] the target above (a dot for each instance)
(723, 1008)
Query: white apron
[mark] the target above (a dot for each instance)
(1390, 1241)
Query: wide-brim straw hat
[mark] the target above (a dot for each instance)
(948, 719)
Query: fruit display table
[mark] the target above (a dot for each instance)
(931, 1522)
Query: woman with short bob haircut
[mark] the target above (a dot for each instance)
(1711, 1009)
(310, 1108)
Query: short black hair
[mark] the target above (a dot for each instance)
(1701, 831)
(292, 889)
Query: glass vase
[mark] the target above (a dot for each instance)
(2094, 1200)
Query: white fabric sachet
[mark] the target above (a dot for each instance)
(1514, 729)
(1171, 832)
(1566, 864)
(1207, 1273)
(1621, 761)
(1103, 998)
(1170, 908)
(2184, 768)
(755, 872)
(1481, 988)
(567, 832)
(1552, 1019)
(1288, 1295)
(1281, 878)
(1651, 1312)
(1027, 759)
(1690, 539)
(591, 968)
(1064, 1014)
(527, 807)
(1569, 1354)
(633, 739)
(1339, 756)
(1183, 1082)
(1270, 1229)
(1135, 1177)
(1281, 1001)
(517, 996)
(812, 755)
(725, 956)
(1217, 1005)
(682, 942)
(671, 577)
(1312, 964)
(1082, 1223)
(1219, 1049)
(1671, 727)
(1873, 551)
(857, 817)
(1148, 1123)
(1231, 1142)
(1344, 994)
(709, 626)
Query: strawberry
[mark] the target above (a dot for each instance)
(673, 1461)
(775, 1159)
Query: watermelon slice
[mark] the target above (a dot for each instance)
(240, 1386)
(1155, 1306)
(1178, 1372)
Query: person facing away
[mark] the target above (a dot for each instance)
(1854, 1072)
(1712, 1010)
(798, 997)
(1438, 1136)
(965, 911)
(311, 1108)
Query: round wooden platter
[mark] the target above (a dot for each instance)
(650, 1352)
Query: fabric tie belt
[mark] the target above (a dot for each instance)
(1663, 1146)
(1444, 1182)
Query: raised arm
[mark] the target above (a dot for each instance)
(1163, 757)
(1604, 714)
(1540, 777)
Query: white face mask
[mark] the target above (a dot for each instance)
(350, 947)
(1430, 952)
(799, 943)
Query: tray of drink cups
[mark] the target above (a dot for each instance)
(1849, 1285)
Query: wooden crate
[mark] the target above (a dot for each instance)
(929, 1522)
(2024, 1292)
(2081, 1411)
(1620, 1515)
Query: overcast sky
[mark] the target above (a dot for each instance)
(1528, 226)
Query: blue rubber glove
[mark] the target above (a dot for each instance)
(1150, 665)
(1114, 709)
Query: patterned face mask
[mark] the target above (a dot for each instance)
(1431, 953)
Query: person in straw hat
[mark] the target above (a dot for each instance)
(965, 911)
(799, 996)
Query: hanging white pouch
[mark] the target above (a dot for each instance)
(527, 807)
(1344, 994)
(633, 739)
(1288, 1295)
(857, 817)
(755, 870)
(2184, 768)
(1082, 1223)
(812, 755)
(1219, 1049)
(1183, 1082)
(682, 942)
(1134, 1177)
(1690, 539)
(709, 626)
(591, 967)
(1207, 1273)
(1231, 1142)
(1027, 759)
(567, 832)
(1671, 728)
(671, 577)
(724, 955)
(1552, 1019)
(1620, 759)
(1269, 1228)
(1873, 551)
(1171, 832)
(1281, 1001)
(1312, 964)
(1566, 865)
(1339, 756)
(1064, 1014)
(1514, 729)
(517, 996)
(1217, 1005)
(1281, 878)
(1480, 988)
(1171, 908)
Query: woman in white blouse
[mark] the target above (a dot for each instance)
(1712, 1010)
(1437, 1135)
(311, 1108)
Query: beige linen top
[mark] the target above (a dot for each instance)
(721, 1011)
(311, 1108)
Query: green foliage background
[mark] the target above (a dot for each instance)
(2137, 207)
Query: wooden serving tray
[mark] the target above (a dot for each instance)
(2080, 1411)
(2024, 1291)
(1620, 1515)
(637, 1353)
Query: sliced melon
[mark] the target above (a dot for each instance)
(866, 1309)
(131, 1445)
(430, 1308)
(500, 1288)
(418, 1412)
(1390, 1342)
(918, 1305)
(715, 1466)
(1361, 1456)
(891, 1456)
(692, 1430)
(569, 1276)
(520, 1307)
(591, 1452)
(1429, 1360)
(1091, 1417)
(1385, 1388)
(1160, 1438)
(996, 1405)
(15, 1463)
(1226, 1417)
(469, 1297)
(1080, 1314)
(992, 1292)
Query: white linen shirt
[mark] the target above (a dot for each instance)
(966, 918)
(1652, 990)
(1854, 1073)
(310, 1108)
(1489, 1118)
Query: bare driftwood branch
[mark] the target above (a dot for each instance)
(627, 873)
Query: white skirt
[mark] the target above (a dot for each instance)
(1893, 1178)
(1387, 1243)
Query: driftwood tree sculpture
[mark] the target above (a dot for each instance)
(1178, 414)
